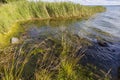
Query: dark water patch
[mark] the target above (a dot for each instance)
(105, 55)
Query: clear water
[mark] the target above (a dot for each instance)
(100, 27)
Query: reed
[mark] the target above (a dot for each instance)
(23, 10)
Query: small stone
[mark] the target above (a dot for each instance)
(103, 44)
(14, 40)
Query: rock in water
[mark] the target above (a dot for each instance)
(15, 40)
(103, 44)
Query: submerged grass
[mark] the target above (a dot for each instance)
(13, 12)
(47, 59)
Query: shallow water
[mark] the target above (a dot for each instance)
(103, 30)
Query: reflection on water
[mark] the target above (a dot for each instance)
(103, 30)
(104, 25)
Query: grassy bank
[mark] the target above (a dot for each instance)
(47, 58)
(23, 10)
(13, 12)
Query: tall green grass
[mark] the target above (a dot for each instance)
(23, 10)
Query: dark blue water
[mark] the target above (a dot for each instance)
(104, 26)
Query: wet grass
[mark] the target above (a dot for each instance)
(47, 59)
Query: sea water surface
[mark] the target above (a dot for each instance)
(102, 30)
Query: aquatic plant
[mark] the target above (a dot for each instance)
(47, 59)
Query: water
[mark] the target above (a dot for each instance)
(103, 30)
